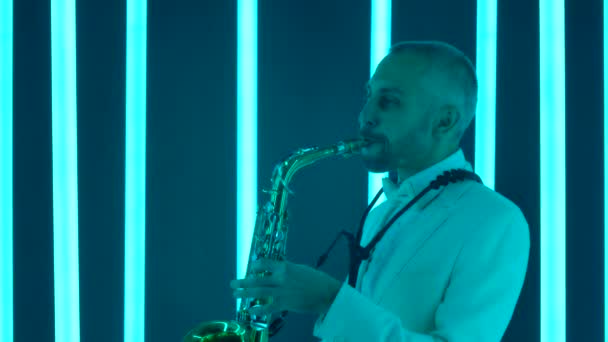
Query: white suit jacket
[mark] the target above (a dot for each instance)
(450, 269)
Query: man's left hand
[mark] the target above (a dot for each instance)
(293, 287)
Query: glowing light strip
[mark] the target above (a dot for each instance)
(380, 45)
(552, 171)
(485, 121)
(247, 125)
(605, 170)
(135, 171)
(6, 170)
(65, 180)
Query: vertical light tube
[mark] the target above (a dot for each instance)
(247, 126)
(485, 121)
(135, 171)
(65, 170)
(379, 47)
(552, 171)
(605, 170)
(6, 170)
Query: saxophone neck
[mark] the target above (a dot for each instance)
(301, 158)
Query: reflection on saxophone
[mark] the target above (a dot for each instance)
(269, 242)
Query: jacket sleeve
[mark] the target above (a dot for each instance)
(478, 304)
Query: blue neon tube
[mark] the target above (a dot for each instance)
(65, 180)
(485, 120)
(135, 171)
(6, 170)
(605, 169)
(379, 47)
(247, 125)
(552, 171)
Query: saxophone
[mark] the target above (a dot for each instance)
(269, 241)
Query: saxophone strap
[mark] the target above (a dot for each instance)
(358, 253)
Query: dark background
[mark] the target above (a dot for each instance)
(313, 63)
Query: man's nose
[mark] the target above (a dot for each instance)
(366, 119)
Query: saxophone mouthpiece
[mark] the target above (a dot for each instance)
(352, 146)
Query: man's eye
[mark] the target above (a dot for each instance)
(385, 101)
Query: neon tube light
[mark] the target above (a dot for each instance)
(380, 45)
(605, 170)
(247, 125)
(135, 172)
(6, 170)
(552, 171)
(485, 121)
(65, 180)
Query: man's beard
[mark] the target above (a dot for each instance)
(377, 157)
(375, 166)
(379, 161)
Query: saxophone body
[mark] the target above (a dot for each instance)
(269, 241)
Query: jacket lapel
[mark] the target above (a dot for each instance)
(435, 210)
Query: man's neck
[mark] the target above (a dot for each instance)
(407, 173)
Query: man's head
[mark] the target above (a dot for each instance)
(420, 101)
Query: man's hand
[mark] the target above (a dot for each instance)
(294, 287)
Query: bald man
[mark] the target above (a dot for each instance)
(447, 265)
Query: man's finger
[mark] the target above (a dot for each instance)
(269, 265)
(264, 309)
(266, 281)
(256, 292)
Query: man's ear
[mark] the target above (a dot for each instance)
(447, 120)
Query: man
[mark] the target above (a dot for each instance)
(452, 266)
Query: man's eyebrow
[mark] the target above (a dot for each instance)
(385, 89)
(391, 90)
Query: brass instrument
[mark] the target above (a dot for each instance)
(269, 240)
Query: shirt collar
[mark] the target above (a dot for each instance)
(413, 185)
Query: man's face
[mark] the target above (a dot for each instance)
(397, 116)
